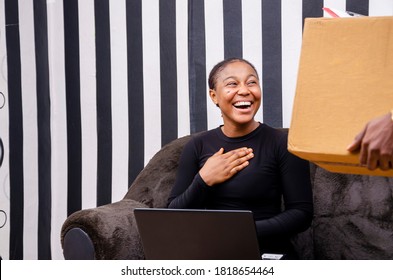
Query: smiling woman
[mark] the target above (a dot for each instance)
(244, 164)
(235, 88)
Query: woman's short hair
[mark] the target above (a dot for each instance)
(221, 65)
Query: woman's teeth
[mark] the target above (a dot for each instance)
(242, 104)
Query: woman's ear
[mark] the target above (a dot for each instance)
(213, 96)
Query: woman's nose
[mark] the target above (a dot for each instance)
(243, 89)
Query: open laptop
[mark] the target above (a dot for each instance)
(185, 234)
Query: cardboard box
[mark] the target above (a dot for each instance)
(345, 79)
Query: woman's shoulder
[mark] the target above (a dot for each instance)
(274, 132)
(203, 135)
(198, 138)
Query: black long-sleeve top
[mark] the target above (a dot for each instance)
(272, 174)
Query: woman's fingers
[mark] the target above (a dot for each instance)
(239, 167)
(222, 166)
(238, 160)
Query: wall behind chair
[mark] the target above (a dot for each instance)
(93, 88)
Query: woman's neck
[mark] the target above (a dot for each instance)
(231, 130)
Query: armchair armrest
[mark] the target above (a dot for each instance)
(105, 232)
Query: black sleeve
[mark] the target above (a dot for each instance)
(189, 190)
(297, 195)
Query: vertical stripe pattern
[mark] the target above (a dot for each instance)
(74, 129)
(197, 65)
(168, 68)
(91, 95)
(119, 100)
(59, 169)
(272, 71)
(16, 130)
(135, 88)
(151, 70)
(44, 127)
(104, 114)
(233, 28)
(30, 131)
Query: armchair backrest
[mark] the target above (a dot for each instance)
(153, 185)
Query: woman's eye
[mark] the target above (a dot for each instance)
(231, 84)
(252, 82)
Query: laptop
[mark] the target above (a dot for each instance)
(185, 234)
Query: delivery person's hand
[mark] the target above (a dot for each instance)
(375, 142)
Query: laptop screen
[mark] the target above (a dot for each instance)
(185, 234)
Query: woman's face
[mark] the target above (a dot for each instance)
(238, 93)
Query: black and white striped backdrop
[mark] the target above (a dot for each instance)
(91, 89)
